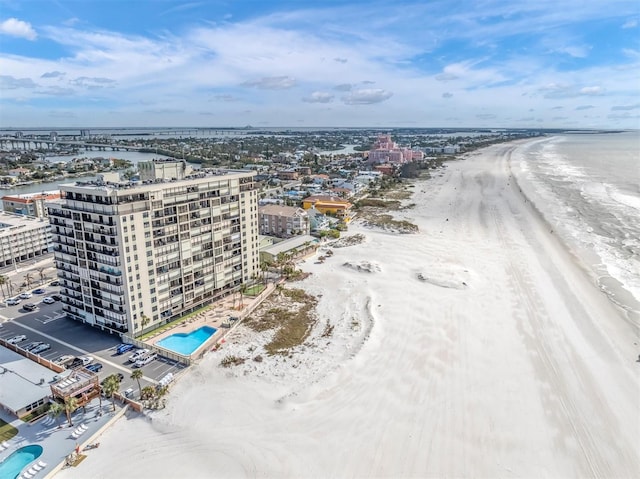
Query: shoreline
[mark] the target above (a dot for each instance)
(481, 350)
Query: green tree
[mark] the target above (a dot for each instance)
(70, 405)
(137, 374)
(28, 279)
(148, 392)
(55, 411)
(110, 386)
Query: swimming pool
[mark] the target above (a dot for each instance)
(12, 465)
(187, 343)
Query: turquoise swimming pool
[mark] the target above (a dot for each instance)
(12, 465)
(187, 343)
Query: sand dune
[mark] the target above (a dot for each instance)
(481, 349)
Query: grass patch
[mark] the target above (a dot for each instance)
(292, 320)
(229, 361)
(387, 222)
(378, 203)
(167, 326)
(7, 431)
(255, 290)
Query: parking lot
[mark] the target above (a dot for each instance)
(49, 325)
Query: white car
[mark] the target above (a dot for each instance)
(25, 295)
(16, 339)
(137, 355)
(86, 360)
(13, 301)
(145, 360)
(48, 300)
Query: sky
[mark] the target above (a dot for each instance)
(288, 63)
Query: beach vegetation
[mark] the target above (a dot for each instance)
(292, 320)
(229, 361)
(55, 410)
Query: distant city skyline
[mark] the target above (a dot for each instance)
(491, 64)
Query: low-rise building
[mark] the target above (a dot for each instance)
(295, 247)
(283, 221)
(329, 205)
(23, 238)
(29, 204)
(24, 384)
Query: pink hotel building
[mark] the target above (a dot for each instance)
(385, 150)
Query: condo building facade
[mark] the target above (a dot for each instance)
(22, 238)
(133, 256)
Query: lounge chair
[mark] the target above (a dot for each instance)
(36, 468)
(84, 426)
(42, 464)
(26, 475)
(32, 471)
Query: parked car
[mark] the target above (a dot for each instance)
(145, 360)
(81, 361)
(16, 339)
(13, 301)
(25, 295)
(48, 300)
(41, 349)
(30, 307)
(57, 297)
(123, 348)
(64, 359)
(95, 367)
(137, 355)
(39, 291)
(55, 282)
(32, 345)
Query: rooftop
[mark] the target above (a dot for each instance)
(22, 381)
(289, 244)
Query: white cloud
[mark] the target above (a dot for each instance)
(7, 82)
(366, 96)
(630, 24)
(17, 28)
(625, 107)
(318, 97)
(271, 83)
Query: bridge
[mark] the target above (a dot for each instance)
(39, 143)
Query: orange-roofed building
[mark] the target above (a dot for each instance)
(29, 204)
(331, 205)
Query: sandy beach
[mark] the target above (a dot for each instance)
(478, 347)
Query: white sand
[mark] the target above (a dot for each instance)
(525, 370)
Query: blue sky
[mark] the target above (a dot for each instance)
(480, 63)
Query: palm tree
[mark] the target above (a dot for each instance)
(148, 392)
(242, 291)
(3, 281)
(70, 405)
(110, 386)
(55, 411)
(28, 279)
(137, 374)
(10, 286)
(40, 271)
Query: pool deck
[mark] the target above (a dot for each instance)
(55, 435)
(217, 316)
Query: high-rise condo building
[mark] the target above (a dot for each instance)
(134, 255)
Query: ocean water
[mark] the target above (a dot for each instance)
(587, 187)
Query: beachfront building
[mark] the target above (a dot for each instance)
(283, 221)
(22, 238)
(293, 248)
(24, 384)
(164, 170)
(134, 255)
(385, 150)
(29, 204)
(329, 205)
